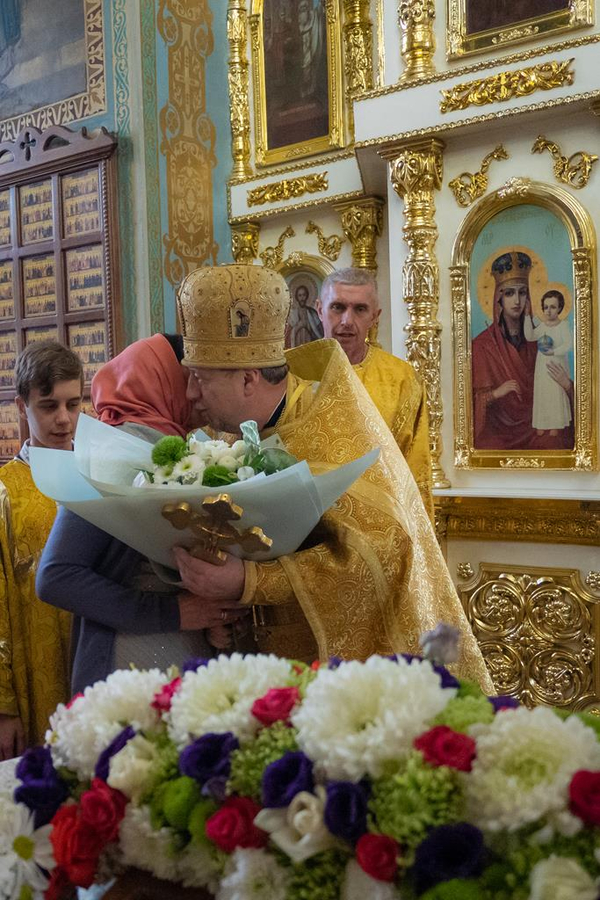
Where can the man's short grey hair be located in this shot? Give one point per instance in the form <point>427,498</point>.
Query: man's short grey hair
<point>275,374</point>
<point>350,275</point>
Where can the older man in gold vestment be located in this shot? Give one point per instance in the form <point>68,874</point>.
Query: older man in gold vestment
<point>349,310</point>
<point>371,577</point>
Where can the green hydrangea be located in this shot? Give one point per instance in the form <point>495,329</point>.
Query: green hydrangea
<point>469,689</point>
<point>249,762</point>
<point>179,799</point>
<point>413,800</point>
<point>165,767</point>
<point>217,476</point>
<point>320,876</point>
<point>456,889</point>
<point>462,712</point>
<point>169,450</point>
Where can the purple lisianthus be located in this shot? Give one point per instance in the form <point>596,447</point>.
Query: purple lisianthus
<point>42,789</point>
<point>503,701</point>
<point>285,778</point>
<point>208,757</point>
<point>192,665</point>
<point>447,678</point>
<point>334,662</point>
<point>449,851</point>
<point>103,765</point>
<point>216,789</point>
<point>346,810</point>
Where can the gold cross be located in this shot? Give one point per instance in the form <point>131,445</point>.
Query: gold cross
<point>214,530</point>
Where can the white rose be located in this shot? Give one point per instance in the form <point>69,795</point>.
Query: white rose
<point>298,830</point>
<point>357,885</point>
<point>132,768</point>
<point>561,878</point>
<point>238,448</point>
<point>228,461</point>
<point>245,472</point>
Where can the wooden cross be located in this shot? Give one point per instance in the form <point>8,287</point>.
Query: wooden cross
<point>27,144</point>
<point>214,530</point>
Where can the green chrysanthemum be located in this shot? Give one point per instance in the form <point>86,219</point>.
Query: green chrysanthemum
<point>169,450</point>
<point>179,799</point>
<point>418,797</point>
<point>461,712</point>
<point>320,876</point>
<point>249,762</point>
<point>456,889</point>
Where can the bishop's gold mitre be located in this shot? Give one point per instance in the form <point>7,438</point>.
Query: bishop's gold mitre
<point>233,317</point>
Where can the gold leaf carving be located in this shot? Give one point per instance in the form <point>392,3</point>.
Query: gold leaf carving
<point>506,85</point>
<point>272,256</point>
<point>329,247</point>
<point>416,19</point>
<point>574,170</point>
<point>592,579</point>
<point>288,188</point>
<point>515,187</point>
<point>362,222</point>
<point>244,242</point>
<point>515,34</point>
<point>468,187</point>
<point>358,47</point>
<point>464,570</point>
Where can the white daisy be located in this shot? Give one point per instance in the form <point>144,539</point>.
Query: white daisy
<point>359,716</point>
<point>253,875</point>
<point>525,762</point>
<point>79,734</point>
<point>24,851</point>
<point>218,697</point>
<point>189,469</point>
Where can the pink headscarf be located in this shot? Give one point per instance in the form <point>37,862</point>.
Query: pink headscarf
<point>144,384</point>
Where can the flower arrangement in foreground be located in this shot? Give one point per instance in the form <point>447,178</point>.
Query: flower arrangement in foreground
<point>213,463</point>
<point>261,778</point>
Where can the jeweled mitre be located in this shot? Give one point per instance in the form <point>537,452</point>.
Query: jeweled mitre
<point>233,317</point>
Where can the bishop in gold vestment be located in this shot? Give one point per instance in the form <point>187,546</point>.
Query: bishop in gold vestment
<point>34,637</point>
<point>371,578</point>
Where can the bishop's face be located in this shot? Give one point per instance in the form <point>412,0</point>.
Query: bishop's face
<point>219,397</point>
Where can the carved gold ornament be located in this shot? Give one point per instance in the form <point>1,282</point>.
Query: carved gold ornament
<point>288,188</point>
<point>329,247</point>
<point>507,85</point>
<point>238,82</point>
<point>467,187</point>
<point>515,187</point>
<point>362,221</point>
<point>536,629</point>
<point>522,462</point>
<point>416,19</point>
<point>244,242</point>
<point>358,47</point>
<point>272,256</point>
<point>592,579</point>
<point>574,170</point>
<point>464,570</point>
<point>213,531</point>
<point>416,173</point>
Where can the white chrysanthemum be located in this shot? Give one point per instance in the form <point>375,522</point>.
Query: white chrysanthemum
<point>525,761</point>
<point>218,697</point>
<point>200,866</point>
<point>24,851</point>
<point>209,451</point>
<point>561,878</point>
<point>163,474</point>
<point>144,847</point>
<point>80,733</point>
<point>253,875</point>
<point>357,885</point>
<point>228,461</point>
<point>359,716</point>
<point>132,768</point>
<point>189,469</point>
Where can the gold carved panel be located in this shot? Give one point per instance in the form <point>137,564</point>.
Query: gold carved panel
<point>538,629</point>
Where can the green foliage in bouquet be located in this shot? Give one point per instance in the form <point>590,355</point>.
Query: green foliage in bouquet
<point>218,476</point>
<point>169,450</point>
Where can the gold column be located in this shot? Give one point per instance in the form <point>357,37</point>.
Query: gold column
<point>237,77</point>
<point>244,242</point>
<point>417,46</point>
<point>416,174</point>
<point>358,46</point>
<point>362,221</point>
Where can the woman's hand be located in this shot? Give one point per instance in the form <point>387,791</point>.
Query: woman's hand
<point>506,388</point>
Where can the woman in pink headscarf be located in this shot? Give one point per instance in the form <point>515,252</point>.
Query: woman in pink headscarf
<point>124,614</point>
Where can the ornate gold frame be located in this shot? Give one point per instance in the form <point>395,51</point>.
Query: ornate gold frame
<point>336,135</point>
<point>583,247</point>
<point>297,261</point>
<point>578,14</point>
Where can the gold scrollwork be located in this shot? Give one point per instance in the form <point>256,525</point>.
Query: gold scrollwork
<point>536,629</point>
<point>416,173</point>
<point>244,242</point>
<point>574,170</point>
<point>515,187</point>
<point>468,187</point>
<point>416,19</point>
<point>515,34</point>
<point>362,221</point>
<point>329,247</point>
<point>522,462</point>
<point>505,85</point>
<point>592,579</point>
<point>358,47</point>
<point>272,256</point>
<point>464,570</point>
<point>238,81</point>
<point>288,188</point>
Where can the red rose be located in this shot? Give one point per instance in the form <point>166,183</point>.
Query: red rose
<point>276,705</point>
<point>76,845</point>
<point>162,699</point>
<point>584,792</point>
<point>377,855</point>
<point>103,808</point>
<point>57,888</point>
<point>233,825</point>
<point>73,699</point>
<point>441,746</point>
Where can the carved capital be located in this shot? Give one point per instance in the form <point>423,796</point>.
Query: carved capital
<point>244,242</point>
<point>416,19</point>
<point>237,77</point>
<point>362,221</point>
<point>358,46</point>
<point>418,167</point>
